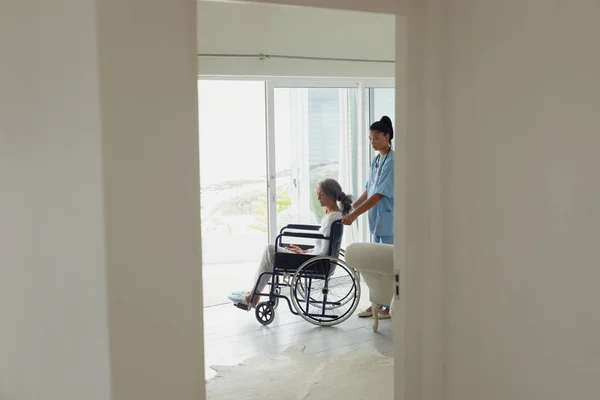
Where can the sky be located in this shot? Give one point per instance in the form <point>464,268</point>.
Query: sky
<point>233,130</point>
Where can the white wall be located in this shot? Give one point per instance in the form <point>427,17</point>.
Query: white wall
<point>100,263</point>
<point>53,334</point>
<point>519,200</point>
<point>521,157</point>
<point>238,28</point>
<point>152,197</point>
<point>99,201</point>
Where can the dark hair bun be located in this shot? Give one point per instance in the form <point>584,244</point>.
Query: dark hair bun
<point>384,125</point>
<point>386,120</point>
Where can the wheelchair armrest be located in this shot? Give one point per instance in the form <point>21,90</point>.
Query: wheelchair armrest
<point>298,235</point>
<point>304,246</point>
<point>303,235</point>
<point>301,227</point>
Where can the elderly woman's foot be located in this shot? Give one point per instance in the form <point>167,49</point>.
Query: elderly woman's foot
<point>236,297</point>
<point>244,298</point>
<point>254,301</point>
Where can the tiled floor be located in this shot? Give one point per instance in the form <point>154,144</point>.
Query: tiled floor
<point>232,335</point>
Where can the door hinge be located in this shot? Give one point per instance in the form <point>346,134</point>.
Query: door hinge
<point>396,284</point>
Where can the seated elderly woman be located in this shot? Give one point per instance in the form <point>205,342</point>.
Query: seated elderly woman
<point>337,204</point>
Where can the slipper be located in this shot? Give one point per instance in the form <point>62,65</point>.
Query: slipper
<point>237,298</point>
<point>365,314</point>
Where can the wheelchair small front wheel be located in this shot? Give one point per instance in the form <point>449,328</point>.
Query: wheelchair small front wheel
<point>265,312</point>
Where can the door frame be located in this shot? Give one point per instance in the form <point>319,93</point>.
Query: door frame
<point>419,249</point>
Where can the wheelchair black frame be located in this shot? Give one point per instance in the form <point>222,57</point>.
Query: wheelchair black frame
<point>278,272</point>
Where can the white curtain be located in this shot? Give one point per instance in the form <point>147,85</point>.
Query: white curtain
<point>348,155</point>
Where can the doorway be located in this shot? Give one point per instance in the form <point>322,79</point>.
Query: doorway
<point>289,134</point>
<point>315,125</point>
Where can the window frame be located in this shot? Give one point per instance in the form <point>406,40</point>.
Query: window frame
<point>365,105</point>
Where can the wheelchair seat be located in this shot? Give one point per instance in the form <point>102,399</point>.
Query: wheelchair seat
<point>292,261</point>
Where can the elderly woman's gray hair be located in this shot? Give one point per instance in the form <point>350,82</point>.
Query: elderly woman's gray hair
<point>331,188</point>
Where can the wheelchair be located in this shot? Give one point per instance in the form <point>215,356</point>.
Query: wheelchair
<point>323,290</point>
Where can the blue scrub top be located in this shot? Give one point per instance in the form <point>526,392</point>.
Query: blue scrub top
<point>381,180</point>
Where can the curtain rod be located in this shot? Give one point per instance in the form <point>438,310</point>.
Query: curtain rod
<point>269,56</point>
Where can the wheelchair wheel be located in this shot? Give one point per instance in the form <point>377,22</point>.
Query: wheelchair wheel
<point>349,296</point>
<point>325,291</point>
<point>265,313</point>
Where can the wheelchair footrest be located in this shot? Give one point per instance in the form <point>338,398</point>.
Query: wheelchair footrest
<point>241,306</point>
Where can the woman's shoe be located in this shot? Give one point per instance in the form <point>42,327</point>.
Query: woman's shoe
<point>237,298</point>
<point>369,313</point>
<point>365,313</point>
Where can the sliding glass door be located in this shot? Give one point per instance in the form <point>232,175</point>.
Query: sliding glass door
<point>234,199</point>
<point>233,185</point>
<point>313,135</point>
<point>379,101</point>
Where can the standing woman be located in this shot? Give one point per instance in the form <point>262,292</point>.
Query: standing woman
<point>378,198</point>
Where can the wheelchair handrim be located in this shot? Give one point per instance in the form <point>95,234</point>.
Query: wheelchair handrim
<point>355,290</point>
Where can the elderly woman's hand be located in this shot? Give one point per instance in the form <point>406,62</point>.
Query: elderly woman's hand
<point>297,249</point>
